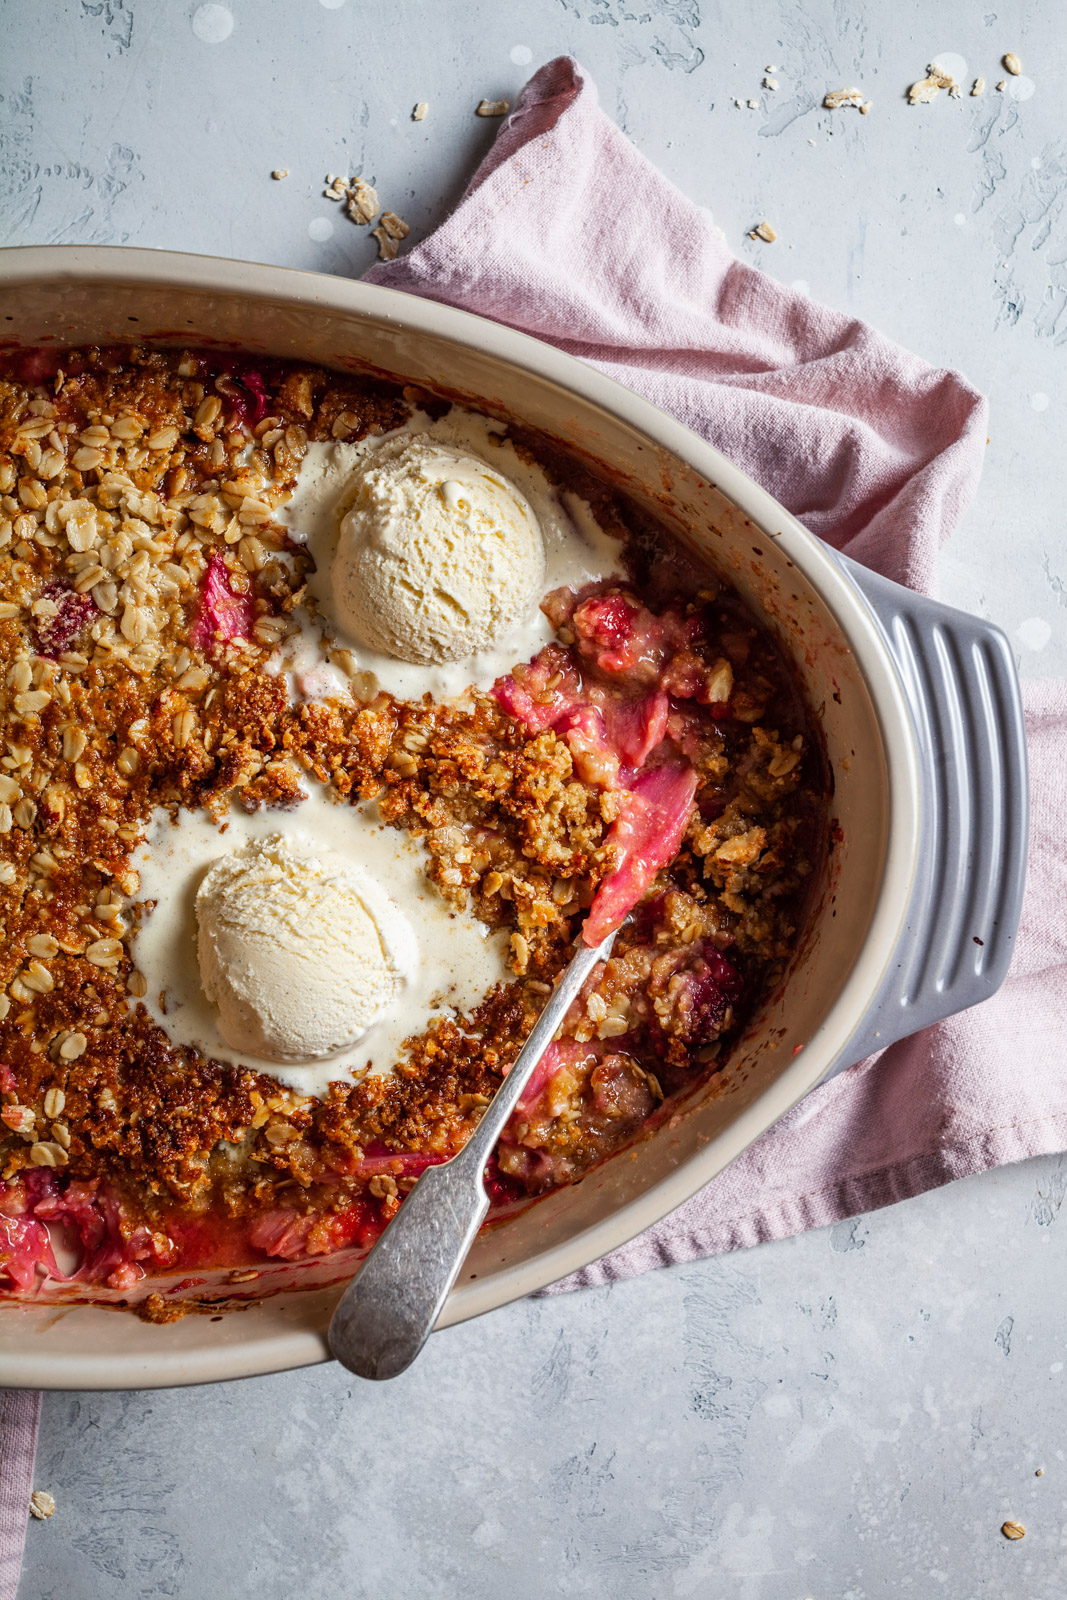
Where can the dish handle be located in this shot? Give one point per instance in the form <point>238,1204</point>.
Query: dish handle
<point>958,675</point>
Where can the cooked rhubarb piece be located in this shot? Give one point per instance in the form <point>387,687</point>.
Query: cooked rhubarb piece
<point>223,614</point>
<point>647,835</point>
<point>59,616</point>
<point>24,1246</point>
<point>624,639</point>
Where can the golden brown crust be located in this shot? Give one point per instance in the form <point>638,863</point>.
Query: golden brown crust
<point>137,469</point>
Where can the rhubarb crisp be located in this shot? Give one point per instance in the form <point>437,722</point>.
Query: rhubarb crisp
<point>211,733</point>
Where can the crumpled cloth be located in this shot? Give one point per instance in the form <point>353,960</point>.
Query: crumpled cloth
<point>19,1411</point>
<point>567,233</point>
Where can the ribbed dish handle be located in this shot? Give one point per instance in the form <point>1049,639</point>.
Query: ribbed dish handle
<point>959,677</point>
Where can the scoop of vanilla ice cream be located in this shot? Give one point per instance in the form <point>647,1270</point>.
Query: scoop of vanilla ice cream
<point>439,555</point>
<point>301,953</point>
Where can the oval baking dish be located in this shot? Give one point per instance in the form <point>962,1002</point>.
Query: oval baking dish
<point>918,706</point>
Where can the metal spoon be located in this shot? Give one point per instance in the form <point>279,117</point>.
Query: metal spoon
<point>388,1311</point>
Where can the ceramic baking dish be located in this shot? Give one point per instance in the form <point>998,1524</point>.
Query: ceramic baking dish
<point>918,706</point>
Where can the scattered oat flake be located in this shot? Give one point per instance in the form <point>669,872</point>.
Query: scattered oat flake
<point>843,97</point>
<point>1013,1530</point>
<point>1002,85</point>
<point>738,103</point>
<point>362,204</point>
<point>1013,64</point>
<point>865,107</point>
<point>387,243</point>
<point>42,1504</point>
<point>419,113</point>
<point>770,83</point>
<point>394,226</point>
<point>492,108</point>
<point>753,105</point>
<point>926,90</point>
<point>772,69</point>
<point>765,232</point>
<point>812,143</point>
<point>280,172</point>
<point>978,86</point>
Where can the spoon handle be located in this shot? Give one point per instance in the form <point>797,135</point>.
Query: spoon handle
<point>389,1309</point>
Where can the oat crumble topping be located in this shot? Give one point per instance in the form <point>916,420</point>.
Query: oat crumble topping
<point>145,582</point>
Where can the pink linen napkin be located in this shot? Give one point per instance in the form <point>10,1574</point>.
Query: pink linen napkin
<point>567,233</point>
<point>19,1411</point>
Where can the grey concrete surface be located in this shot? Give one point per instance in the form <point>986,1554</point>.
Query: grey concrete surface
<point>847,1415</point>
